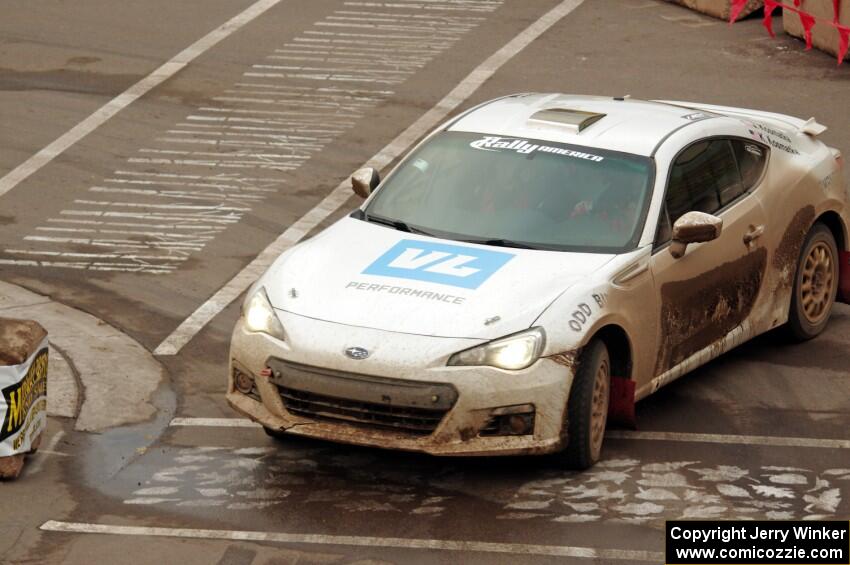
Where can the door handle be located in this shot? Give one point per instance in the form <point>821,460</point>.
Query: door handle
<point>753,234</point>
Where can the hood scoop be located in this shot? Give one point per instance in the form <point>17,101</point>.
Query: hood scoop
<point>574,120</point>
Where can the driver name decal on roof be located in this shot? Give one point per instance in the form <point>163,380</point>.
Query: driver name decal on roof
<point>772,137</point>
<point>453,265</point>
<point>524,147</point>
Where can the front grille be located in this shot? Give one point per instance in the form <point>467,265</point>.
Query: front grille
<point>403,405</point>
<point>413,420</point>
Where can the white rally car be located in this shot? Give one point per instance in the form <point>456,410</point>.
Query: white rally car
<point>537,262</point>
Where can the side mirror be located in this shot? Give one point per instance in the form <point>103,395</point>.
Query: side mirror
<point>694,227</point>
<point>364,181</point>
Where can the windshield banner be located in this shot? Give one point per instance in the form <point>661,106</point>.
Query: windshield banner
<point>525,147</point>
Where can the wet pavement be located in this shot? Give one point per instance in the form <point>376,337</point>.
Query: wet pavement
<point>63,233</point>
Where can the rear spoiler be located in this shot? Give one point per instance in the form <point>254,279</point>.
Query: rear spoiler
<point>813,128</point>
<point>810,127</point>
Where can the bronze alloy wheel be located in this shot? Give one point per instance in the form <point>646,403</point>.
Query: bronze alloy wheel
<point>817,281</point>
<point>599,408</point>
<point>815,285</point>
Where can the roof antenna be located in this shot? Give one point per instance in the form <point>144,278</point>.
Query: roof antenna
<point>624,97</point>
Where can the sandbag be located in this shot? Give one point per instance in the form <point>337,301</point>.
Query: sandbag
<point>23,391</point>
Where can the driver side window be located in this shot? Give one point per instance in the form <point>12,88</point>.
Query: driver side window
<point>703,178</point>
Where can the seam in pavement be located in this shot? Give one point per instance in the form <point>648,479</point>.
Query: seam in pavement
<point>116,375</point>
<point>75,373</point>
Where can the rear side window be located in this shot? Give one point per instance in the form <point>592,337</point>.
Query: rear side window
<point>704,178</point>
<point>751,159</point>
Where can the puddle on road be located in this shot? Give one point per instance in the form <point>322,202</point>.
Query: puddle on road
<point>627,490</point>
<point>619,489</point>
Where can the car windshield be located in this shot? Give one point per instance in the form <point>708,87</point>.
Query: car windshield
<point>517,192</point>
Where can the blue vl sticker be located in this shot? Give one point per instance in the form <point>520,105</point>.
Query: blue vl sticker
<point>452,265</point>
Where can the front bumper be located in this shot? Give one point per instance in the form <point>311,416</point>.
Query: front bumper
<point>316,348</point>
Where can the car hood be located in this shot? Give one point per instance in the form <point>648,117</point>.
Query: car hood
<point>364,274</point>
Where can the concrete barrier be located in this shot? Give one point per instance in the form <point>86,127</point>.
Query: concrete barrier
<point>824,36</point>
<point>719,8</point>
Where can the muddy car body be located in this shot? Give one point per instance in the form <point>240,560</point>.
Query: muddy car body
<point>530,253</point>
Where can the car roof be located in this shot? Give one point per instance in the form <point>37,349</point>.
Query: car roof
<point>626,124</point>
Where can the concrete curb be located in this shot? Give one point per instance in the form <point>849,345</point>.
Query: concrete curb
<point>116,374</point>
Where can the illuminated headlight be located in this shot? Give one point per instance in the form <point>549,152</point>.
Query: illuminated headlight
<point>514,352</point>
<point>259,315</point>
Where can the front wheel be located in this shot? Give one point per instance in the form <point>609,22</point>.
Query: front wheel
<point>815,285</point>
<point>587,407</point>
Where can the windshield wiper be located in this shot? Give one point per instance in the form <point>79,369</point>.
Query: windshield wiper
<point>405,227</point>
<point>397,224</point>
<point>501,243</point>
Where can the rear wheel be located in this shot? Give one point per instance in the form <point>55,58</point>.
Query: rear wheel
<point>815,285</point>
<point>587,407</point>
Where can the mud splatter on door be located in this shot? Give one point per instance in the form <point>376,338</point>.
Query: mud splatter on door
<point>699,311</point>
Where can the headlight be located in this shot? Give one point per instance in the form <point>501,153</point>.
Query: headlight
<point>514,352</point>
<point>259,315</point>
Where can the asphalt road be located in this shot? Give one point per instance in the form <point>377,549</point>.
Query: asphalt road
<point>145,218</point>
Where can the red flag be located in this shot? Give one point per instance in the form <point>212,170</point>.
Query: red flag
<point>769,6</point>
<point>808,22</point>
<point>735,9</point>
<point>843,41</point>
<point>836,9</point>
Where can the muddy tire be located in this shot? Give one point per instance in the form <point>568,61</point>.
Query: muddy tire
<point>587,407</point>
<point>815,285</point>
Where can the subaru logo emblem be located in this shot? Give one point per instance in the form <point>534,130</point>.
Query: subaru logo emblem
<point>357,353</point>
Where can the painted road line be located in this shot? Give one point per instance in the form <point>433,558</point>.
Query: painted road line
<point>215,422</point>
<point>303,120</point>
<point>333,201</point>
<point>685,437</point>
<point>735,439</point>
<point>43,453</point>
<point>108,110</point>
<point>358,541</point>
